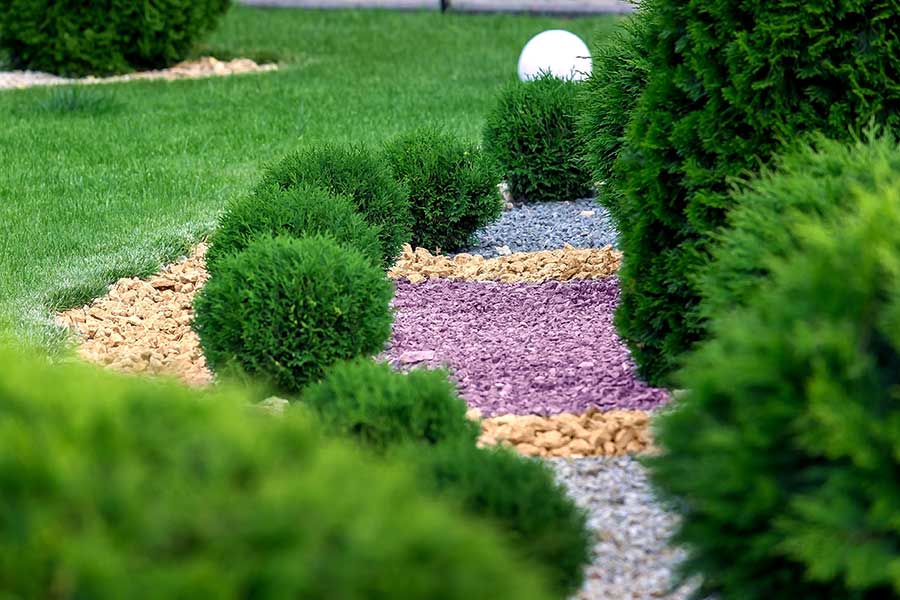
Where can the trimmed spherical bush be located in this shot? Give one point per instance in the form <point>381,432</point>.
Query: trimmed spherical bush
<point>364,176</point>
<point>101,38</point>
<point>730,85</point>
<point>120,487</point>
<point>294,212</point>
<point>532,134</point>
<point>783,457</point>
<point>521,497</point>
<point>818,179</point>
<point>286,309</point>
<point>452,187</point>
<point>379,407</point>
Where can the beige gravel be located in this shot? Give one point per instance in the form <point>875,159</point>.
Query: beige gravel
<point>562,265</point>
<point>144,325</point>
<point>191,69</point>
<point>594,433</point>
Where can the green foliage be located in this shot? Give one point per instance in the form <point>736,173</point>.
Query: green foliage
<point>101,38</point>
<point>519,495</point>
<point>452,187</point>
<point>783,457</point>
<point>296,212</point>
<point>117,487</point>
<point>619,73</point>
<point>531,132</point>
<point>818,179</point>
<point>730,83</point>
<point>286,309</point>
<point>354,171</point>
<point>379,407</point>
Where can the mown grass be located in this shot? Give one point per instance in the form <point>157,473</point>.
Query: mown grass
<point>107,181</point>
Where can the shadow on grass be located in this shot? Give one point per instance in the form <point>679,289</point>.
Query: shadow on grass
<point>77,100</point>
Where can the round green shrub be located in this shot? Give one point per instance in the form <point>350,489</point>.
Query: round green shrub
<point>731,83</point>
<point>119,487</point>
<point>285,309</point>
<point>452,187</point>
<point>532,134</point>
<point>520,496</point>
<point>817,179</point>
<point>783,457</point>
<point>354,171</point>
<point>607,98</point>
<point>295,212</point>
<point>101,38</point>
<point>379,407</point>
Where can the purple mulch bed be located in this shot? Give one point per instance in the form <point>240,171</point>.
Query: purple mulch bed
<point>526,348</point>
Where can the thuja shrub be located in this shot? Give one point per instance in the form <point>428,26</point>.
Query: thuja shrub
<point>117,487</point>
<point>101,38</point>
<point>285,309</point>
<point>818,179</point>
<point>532,134</point>
<point>783,457</point>
<point>295,212</point>
<point>731,83</point>
<point>518,495</point>
<point>452,187</point>
<point>357,172</point>
<point>380,407</point>
<point>620,69</point>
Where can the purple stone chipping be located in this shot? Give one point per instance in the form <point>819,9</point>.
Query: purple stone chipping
<point>526,348</point>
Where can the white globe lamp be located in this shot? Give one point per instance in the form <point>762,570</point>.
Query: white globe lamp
<point>561,53</point>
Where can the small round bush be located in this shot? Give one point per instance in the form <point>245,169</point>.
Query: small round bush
<point>379,407</point>
<point>521,497</point>
<point>119,487</point>
<point>101,38</point>
<point>285,309</point>
<point>816,179</point>
<point>295,212</point>
<point>354,171</point>
<point>532,134</point>
<point>452,187</point>
<point>783,457</point>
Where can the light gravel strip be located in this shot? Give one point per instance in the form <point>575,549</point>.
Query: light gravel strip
<point>631,557</point>
<point>546,226</point>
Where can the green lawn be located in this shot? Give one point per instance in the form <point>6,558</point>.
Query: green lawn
<point>107,181</point>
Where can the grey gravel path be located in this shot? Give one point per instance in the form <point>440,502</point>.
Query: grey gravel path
<point>631,557</point>
<point>546,226</point>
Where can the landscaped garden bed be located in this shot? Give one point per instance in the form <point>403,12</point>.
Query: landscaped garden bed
<point>429,323</point>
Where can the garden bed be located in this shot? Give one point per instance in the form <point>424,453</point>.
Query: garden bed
<point>529,333</point>
<point>206,66</point>
<point>536,357</point>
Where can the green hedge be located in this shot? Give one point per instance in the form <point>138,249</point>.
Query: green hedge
<point>730,83</point>
<point>620,70</point>
<point>295,212</point>
<point>101,38</point>
<point>118,487</point>
<point>452,187</point>
<point>820,180</point>
<point>286,309</point>
<point>359,173</point>
<point>783,457</point>
<point>531,132</point>
<point>379,407</point>
<point>521,497</point>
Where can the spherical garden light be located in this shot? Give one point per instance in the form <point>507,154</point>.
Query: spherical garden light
<point>558,52</point>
